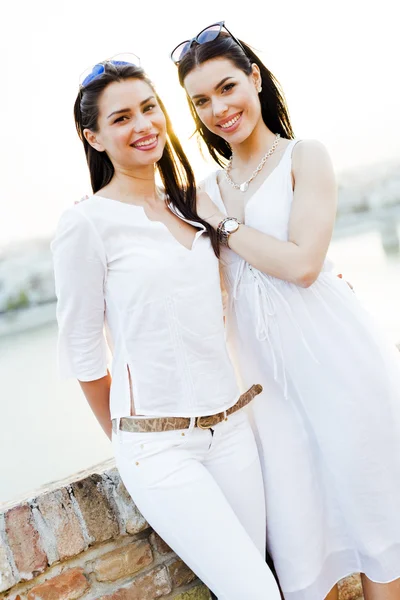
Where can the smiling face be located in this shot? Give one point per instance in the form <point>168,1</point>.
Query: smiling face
<point>225,98</point>
<point>131,127</point>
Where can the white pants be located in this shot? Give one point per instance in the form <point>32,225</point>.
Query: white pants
<point>202,491</point>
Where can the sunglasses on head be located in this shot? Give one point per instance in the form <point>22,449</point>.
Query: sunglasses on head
<point>98,69</point>
<point>209,34</point>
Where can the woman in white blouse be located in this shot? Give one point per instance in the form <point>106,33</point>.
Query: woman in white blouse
<point>137,261</point>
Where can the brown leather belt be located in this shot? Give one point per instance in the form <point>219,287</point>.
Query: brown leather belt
<point>159,424</point>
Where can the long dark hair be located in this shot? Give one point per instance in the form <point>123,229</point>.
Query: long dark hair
<point>175,171</point>
<point>274,109</point>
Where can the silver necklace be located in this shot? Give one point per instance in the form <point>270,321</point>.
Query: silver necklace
<point>243,187</point>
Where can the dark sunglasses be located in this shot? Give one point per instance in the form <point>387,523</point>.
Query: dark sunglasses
<point>209,34</point>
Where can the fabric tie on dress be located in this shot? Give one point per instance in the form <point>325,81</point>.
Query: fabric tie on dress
<point>265,312</point>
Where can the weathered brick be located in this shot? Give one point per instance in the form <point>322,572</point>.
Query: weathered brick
<point>135,521</point>
<point>158,544</point>
<point>24,541</point>
<point>145,587</point>
<point>180,573</point>
<point>7,578</point>
<point>350,588</point>
<point>96,510</point>
<point>70,585</point>
<point>124,561</point>
<point>59,515</point>
<point>200,592</point>
<point>130,515</point>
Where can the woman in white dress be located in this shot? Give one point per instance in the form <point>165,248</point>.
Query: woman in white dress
<point>328,422</point>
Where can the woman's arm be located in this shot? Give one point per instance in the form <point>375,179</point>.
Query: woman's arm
<point>300,259</point>
<point>97,394</point>
<point>80,271</point>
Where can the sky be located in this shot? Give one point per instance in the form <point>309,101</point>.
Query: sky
<point>337,62</point>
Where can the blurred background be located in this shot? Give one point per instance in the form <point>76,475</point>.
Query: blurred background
<point>337,63</point>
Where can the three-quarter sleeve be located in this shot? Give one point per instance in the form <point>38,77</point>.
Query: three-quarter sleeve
<point>80,271</point>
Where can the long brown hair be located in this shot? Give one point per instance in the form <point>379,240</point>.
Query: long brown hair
<point>174,168</point>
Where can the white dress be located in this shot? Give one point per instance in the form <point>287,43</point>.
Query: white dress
<point>328,422</point>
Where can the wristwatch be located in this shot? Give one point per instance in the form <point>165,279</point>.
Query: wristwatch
<point>227,226</point>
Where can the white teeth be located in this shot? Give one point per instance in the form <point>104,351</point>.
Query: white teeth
<point>231,122</point>
<point>146,142</point>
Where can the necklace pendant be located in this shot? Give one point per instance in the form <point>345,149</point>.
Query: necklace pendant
<point>243,187</point>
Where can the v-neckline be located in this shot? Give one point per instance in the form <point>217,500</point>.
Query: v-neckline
<point>258,189</point>
<point>200,228</point>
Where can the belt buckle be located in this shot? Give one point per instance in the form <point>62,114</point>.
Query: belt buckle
<point>205,426</point>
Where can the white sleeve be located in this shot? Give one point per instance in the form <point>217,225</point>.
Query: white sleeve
<point>80,269</point>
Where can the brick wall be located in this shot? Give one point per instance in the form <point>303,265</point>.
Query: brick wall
<point>86,540</point>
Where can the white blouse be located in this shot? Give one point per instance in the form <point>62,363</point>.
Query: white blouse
<point>158,303</point>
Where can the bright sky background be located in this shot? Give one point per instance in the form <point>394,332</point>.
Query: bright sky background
<point>337,61</point>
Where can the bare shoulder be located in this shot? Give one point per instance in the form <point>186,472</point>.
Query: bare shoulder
<point>310,153</point>
<point>311,158</point>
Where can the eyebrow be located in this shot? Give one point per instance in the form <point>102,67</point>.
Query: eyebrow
<point>216,87</point>
<point>125,110</point>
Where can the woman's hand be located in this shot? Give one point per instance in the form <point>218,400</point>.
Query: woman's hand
<point>85,197</point>
<point>207,210</point>
<point>300,258</point>
<point>348,282</point>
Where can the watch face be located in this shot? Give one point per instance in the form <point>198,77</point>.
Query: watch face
<point>231,226</point>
